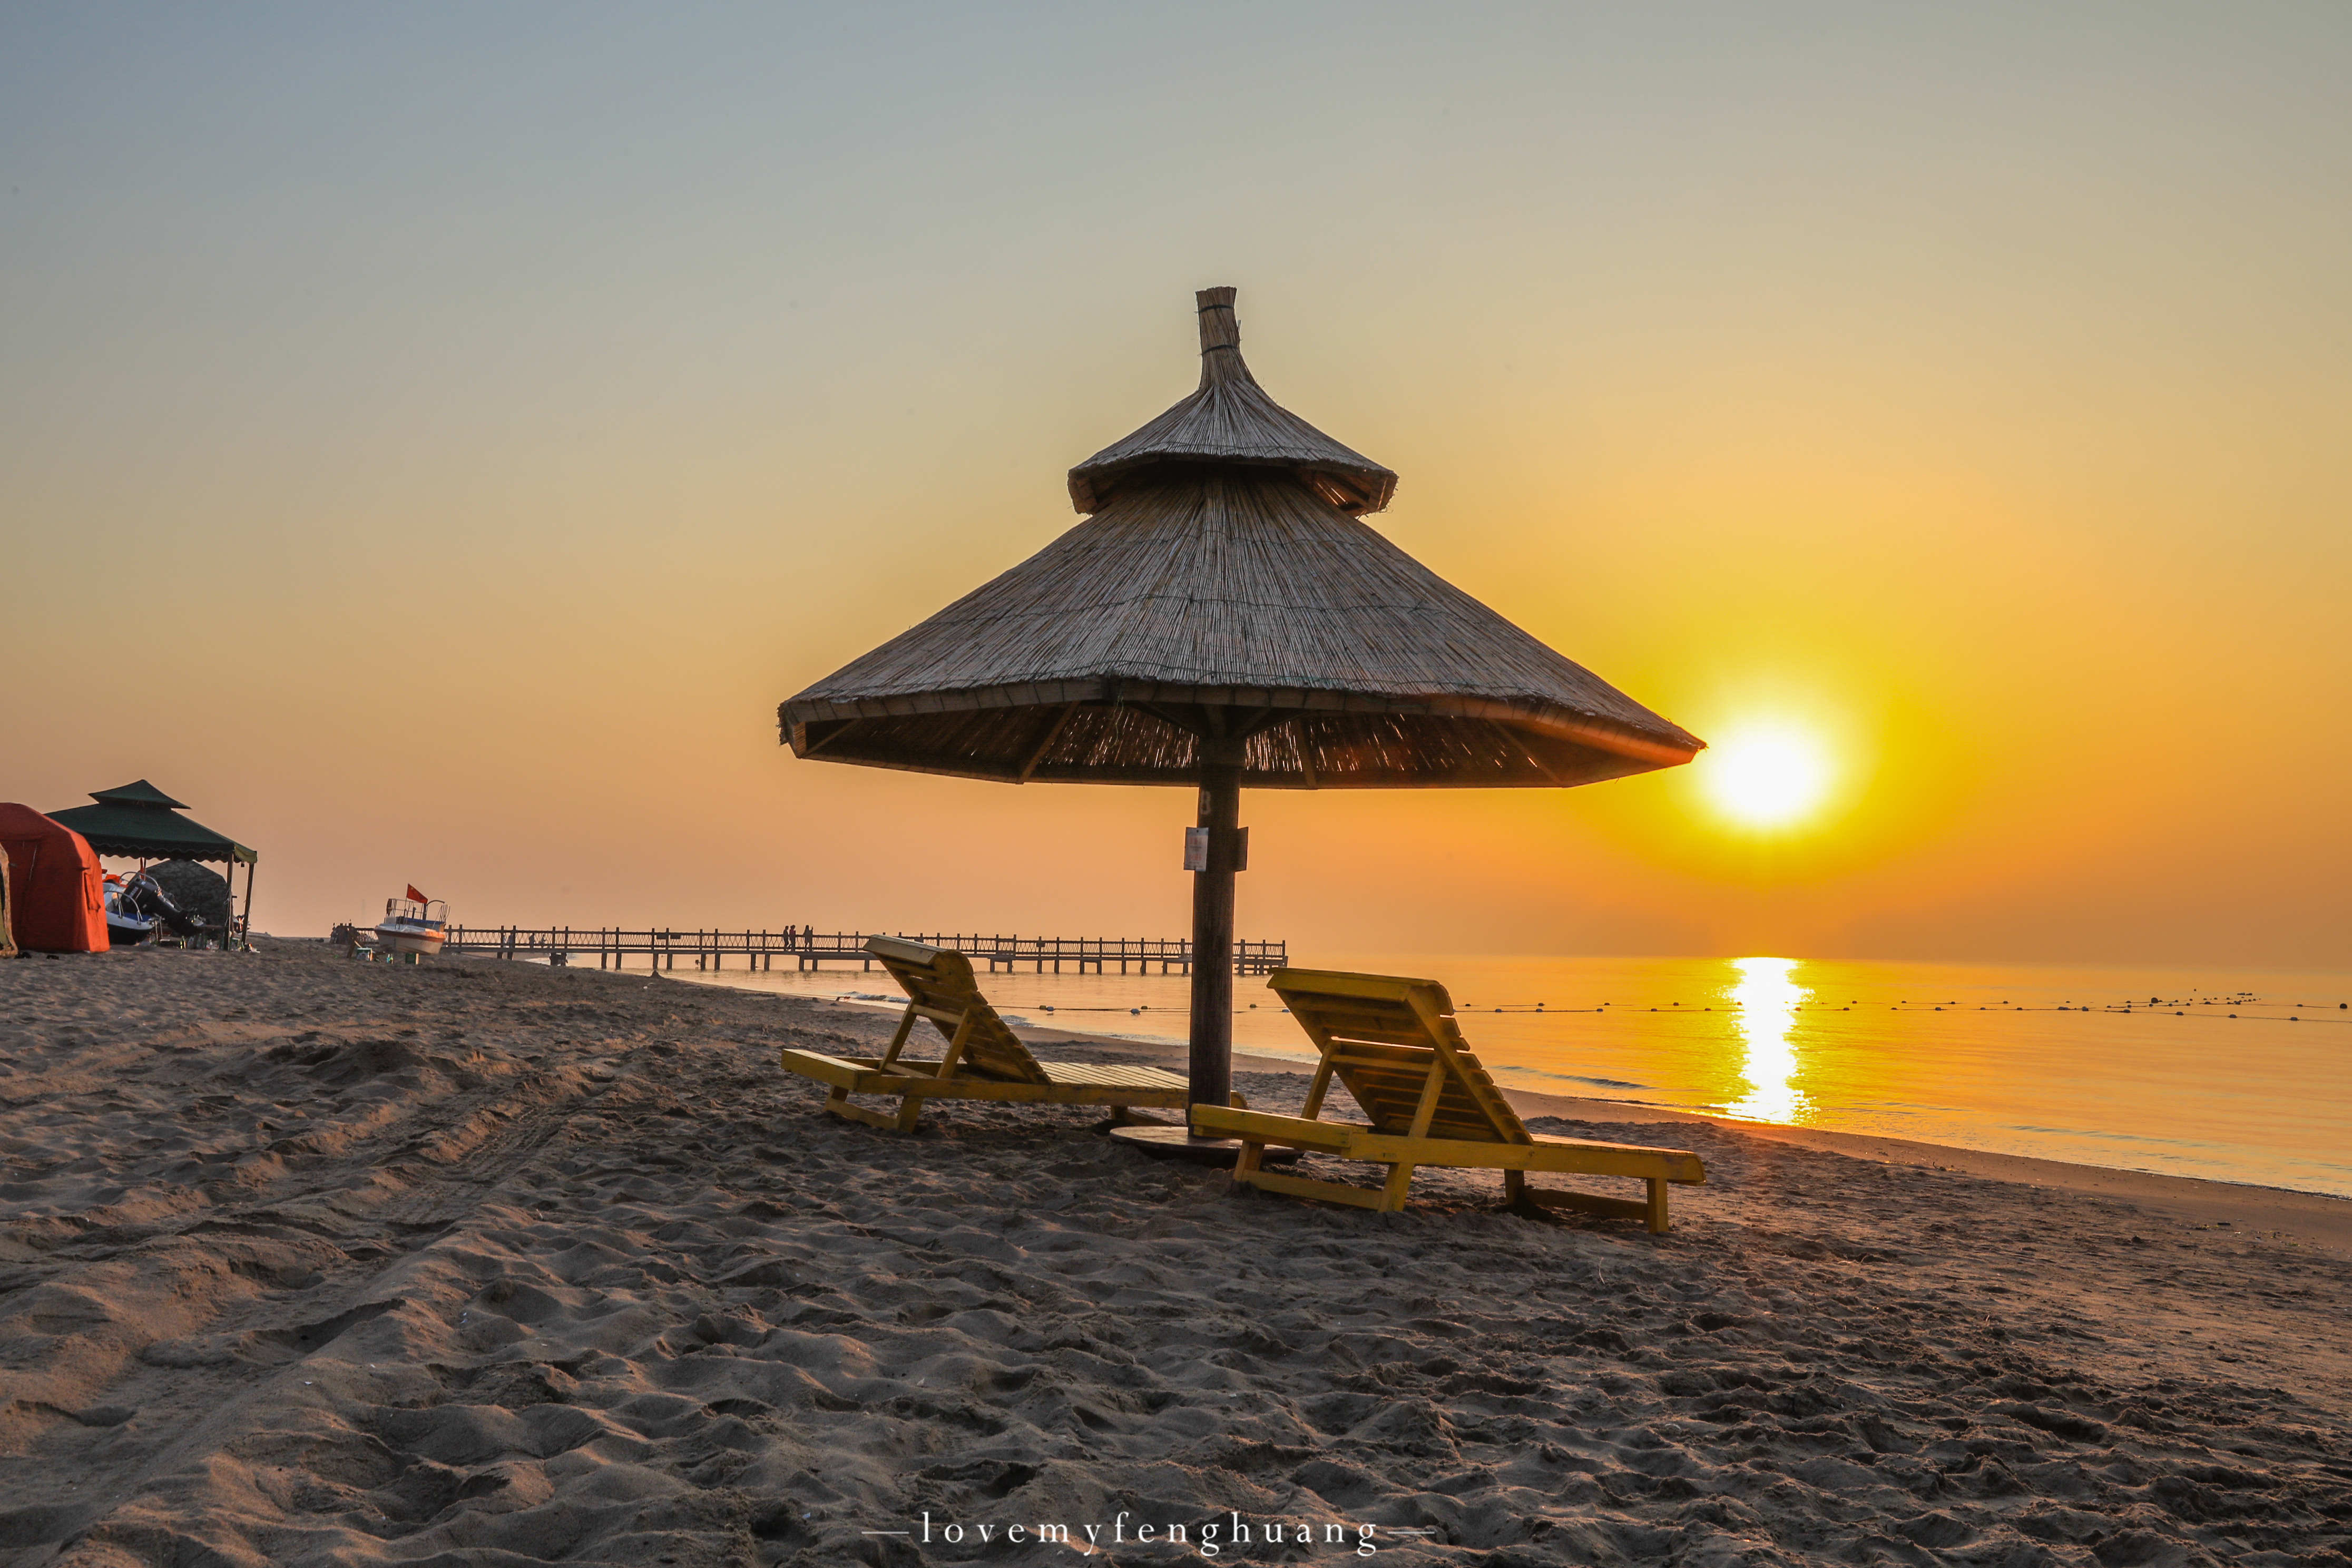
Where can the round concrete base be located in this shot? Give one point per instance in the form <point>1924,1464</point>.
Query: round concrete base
<point>1177,1144</point>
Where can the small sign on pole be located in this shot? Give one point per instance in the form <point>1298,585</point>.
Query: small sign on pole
<point>1196,849</point>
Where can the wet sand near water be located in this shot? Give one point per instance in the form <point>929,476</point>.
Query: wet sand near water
<point>303,1261</point>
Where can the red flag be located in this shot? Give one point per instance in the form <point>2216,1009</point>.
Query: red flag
<point>414,896</point>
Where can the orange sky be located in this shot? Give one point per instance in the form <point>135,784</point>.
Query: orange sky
<point>433,451</point>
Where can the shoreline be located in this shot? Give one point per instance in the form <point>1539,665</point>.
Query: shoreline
<point>2322,1220</point>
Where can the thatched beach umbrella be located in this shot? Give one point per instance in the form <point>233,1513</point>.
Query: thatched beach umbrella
<point>1223,619</point>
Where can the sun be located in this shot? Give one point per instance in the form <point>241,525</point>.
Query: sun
<point>1766,773</point>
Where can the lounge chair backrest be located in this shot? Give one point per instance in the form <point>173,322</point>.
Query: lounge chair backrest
<point>941,980</point>
<point>1381,1034</point>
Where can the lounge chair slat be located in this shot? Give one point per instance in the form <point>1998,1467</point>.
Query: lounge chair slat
<point>1374,1053</point>
<point>1401,1035</point>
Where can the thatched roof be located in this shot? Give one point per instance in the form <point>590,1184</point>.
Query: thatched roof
<point>1225,587</point>
<point>1232,421</point>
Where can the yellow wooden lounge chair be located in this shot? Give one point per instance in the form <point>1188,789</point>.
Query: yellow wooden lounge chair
<point>984,1059</point>
<point>1393,1044</point>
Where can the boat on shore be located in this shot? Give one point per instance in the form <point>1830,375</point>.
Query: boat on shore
<point>127,925</point>
<point>413,927</point>
<point>140,912</point>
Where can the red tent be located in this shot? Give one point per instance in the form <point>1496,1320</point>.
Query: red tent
<point>56,894</point>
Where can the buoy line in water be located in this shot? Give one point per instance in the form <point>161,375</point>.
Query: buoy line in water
<point>1542,1009</point>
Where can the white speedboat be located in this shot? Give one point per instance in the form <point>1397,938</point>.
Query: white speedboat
<point>413,928</point>
<point>127,924</point>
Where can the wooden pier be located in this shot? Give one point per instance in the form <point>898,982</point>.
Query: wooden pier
<point>807,949</point>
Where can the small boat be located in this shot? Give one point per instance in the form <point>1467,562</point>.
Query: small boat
<point>138,912</point>
<point>413,927</point>
<point>127,925</point>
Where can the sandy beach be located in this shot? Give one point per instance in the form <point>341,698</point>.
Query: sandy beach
<point>312,1261</point>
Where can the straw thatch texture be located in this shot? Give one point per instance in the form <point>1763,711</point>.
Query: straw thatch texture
<point>1224,594</point>
<point>1232,421</point>
<point>1244,592</point>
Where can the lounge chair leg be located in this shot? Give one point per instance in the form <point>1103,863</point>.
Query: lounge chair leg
<point>1246,1162</point>
<point>1659,1224</point>
<point>838,1103</point>
<point>1515,1187</point>
<point>909,1108</point>
<point>1392,1193</point>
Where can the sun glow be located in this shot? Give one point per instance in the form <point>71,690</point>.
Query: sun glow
<point>1765,774</point>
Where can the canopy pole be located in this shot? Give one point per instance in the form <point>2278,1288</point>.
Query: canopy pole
<point>1213,922</point>
<point>245,933</point>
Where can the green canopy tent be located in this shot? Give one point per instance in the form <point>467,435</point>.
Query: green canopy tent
<point>139,822</point>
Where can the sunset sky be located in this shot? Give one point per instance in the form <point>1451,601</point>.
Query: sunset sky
<point>432,442</point>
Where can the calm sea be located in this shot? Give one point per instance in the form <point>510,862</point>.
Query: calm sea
<point>2239,1076</point>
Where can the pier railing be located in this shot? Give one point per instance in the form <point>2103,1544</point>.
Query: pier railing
<point>809,949</point>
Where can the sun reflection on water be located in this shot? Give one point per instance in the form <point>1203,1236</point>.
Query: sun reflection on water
<point>1768,1001</point>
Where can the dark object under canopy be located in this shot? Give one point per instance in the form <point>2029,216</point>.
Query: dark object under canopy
<point>1224,618</point>
<point>201,894</point>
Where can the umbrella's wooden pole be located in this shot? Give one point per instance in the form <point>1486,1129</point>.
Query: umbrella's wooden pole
<point>1212,924</point>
